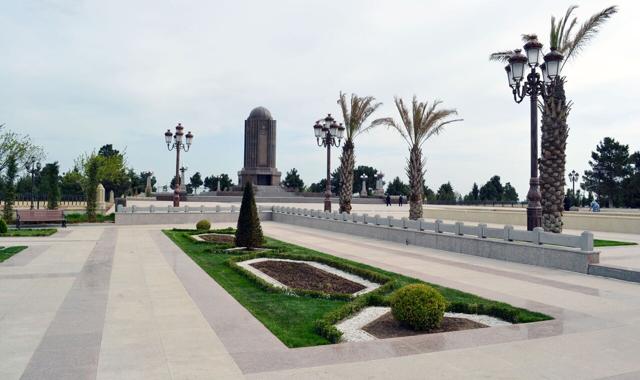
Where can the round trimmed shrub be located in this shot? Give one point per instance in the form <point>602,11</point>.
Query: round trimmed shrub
<point>418,306</point>
<point>203,225</point>
<point>3,227</point>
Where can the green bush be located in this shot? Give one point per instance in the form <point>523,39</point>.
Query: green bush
<point>3,227</point>
<point>203,225</point>
<point>418,306</point>
<point>248,230</point>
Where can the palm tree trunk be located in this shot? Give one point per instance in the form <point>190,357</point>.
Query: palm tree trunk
<point>415,172</point>
<point>347,162</point>
<point>553,157</point>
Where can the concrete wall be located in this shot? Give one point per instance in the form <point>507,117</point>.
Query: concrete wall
<point>525,253</point>
<point>606,222</point>
<point>138,218</point>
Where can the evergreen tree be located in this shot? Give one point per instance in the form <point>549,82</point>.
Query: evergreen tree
<point>631,185</point>
<point>609,167</point>
<point>91,186</point>
<point>293,181</point>
<point>10,187</point>
<point>249,231</point>
<point>509,193</point>
<point>195,181</point>
<point>51,182</point>
<point>492,190</point>
<point>397,187</point>
<point>445,193</point>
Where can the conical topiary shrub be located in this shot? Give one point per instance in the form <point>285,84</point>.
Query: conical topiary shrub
<point>248,231</point>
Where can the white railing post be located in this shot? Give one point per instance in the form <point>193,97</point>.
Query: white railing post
<point>537,231</point>
<point>507,232</point>
<point>437,228</point>
<point>586,241</point>
<point>482,230</point>
<point>458,228</point>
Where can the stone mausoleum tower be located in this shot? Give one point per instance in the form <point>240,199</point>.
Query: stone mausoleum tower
<point>260,150</point>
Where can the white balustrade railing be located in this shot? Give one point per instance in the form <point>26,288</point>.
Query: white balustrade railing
<point>583,242</point>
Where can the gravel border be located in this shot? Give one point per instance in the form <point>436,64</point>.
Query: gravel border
<point>351,328</point>
<point>368,285</point>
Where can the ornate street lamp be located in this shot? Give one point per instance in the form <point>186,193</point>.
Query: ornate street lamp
<point>328,133</point>
<point>178,144</point>
<point>573,177</point>
<point>33,168</point>
<point>533,87</point>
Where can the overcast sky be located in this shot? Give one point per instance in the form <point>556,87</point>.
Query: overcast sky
<point>79,74</point>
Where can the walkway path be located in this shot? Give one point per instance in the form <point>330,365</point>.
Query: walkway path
<point>108,302</point>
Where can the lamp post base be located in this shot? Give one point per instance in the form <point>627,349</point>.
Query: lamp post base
<point>534,208</point>
<point>327,205</point>
<point>176,199</point>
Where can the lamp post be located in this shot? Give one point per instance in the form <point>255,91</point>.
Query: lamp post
<point>32,167</point>
<point>533,87</point>
<point>363,191</point>
<point>328,133</point>
<point>177,144</point>
<point>573,177</point>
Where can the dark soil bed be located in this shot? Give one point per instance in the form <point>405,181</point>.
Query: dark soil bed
<point>304,276</point>
<point>388,327</point>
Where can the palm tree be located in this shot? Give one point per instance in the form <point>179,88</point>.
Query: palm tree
<point>424,121</point>
<point>555,109</point>
<point>354,114</point>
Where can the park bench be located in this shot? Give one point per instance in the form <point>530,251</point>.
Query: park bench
<point>40,216</point>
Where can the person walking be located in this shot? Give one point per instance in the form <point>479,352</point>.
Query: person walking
<point>400,200</point>
<point>388,200</point>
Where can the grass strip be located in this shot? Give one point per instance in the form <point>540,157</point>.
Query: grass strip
<point>6,253</point>
<point>611,243</point>
<point>29,232</point>
<point>306,319</point>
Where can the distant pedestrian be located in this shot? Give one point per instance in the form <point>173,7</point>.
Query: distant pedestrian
<point>595,206</point>
<point>388,200</point>
<point>400,200</point>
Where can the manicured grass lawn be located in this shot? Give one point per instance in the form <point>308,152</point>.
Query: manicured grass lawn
<point>26,232</point>
<point>292,318</point>
<point>610,243</point>
<point>82,218</point>
<point>5,253</point>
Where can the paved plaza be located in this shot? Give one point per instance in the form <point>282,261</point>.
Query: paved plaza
<point>111,302</point>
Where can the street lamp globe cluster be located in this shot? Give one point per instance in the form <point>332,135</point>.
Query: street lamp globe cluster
<point>328,133</point>
<point>573,177</point>
<point>533,87</point>
<point>175,141</point>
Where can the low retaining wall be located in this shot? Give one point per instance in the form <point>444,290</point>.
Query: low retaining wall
<point>546,255</point>
<point>604,222</point>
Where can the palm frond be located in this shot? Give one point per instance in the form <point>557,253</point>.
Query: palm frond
<point>356,112</point>
<point>501,56</point>
<point>390,123</point>
<point>563,23</point>
<point>587,31</point>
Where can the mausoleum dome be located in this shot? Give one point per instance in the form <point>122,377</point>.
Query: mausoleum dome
<point>260,113</point>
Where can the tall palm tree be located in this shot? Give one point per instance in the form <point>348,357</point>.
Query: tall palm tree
<point>424,121</point>
<point>354,114</point>
<point>555,109</point>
